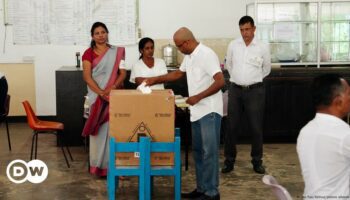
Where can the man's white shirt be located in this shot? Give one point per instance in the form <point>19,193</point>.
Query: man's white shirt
<point>248,64</point>
<point>200,67</point>
<point>323,147</point>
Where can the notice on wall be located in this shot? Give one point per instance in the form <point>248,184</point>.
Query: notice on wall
<point>66,22</point>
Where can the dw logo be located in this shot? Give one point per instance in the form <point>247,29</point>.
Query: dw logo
<point>35,171</point>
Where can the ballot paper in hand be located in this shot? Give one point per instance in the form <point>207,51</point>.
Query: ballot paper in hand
<point>144,89</point>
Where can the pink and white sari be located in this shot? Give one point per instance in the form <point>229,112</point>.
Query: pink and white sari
<point>104,71</point>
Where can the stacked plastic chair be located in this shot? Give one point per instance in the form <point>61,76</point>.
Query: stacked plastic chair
<point>145,171</point>
<point>279,191</point>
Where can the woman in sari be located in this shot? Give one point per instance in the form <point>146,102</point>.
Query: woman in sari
<point>103,70</point>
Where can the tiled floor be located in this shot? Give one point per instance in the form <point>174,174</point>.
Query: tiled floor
<point>76,183</point>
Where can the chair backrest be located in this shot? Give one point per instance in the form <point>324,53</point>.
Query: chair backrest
<point>31,117</point>
<point>6,108</point>
<point>280,192</point>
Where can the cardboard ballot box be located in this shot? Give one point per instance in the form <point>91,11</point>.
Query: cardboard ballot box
<point>133,115</point>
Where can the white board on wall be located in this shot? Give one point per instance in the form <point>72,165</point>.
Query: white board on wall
<point>67,22</point>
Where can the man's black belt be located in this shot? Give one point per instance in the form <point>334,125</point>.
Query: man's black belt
<point>247,87</point>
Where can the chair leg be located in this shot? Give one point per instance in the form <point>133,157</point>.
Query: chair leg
<point>177,183</point>
<point>36,145</point>
<point>65,157</point>
<point>62,144</point>
<point>111,185</point>
<point>31,151</point>
<point>142,192</point>
<point>70,155</point>
<point>8,134</point>
<point>65,144</point>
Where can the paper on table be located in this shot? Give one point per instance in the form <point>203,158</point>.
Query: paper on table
<point>181,102</point>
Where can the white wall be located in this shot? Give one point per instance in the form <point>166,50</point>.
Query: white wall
<point>159,19</point>
<point>206,18</point>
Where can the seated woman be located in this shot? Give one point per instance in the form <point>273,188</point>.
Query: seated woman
<point>147,65</point>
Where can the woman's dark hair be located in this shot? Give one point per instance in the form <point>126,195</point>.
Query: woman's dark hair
<point>325,88</point>
<point>143,43</point>
<point>246,19</point>
<point>94,26</point>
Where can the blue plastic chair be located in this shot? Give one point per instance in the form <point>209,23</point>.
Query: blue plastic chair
<point>144,170</point>
<point>167,170</point>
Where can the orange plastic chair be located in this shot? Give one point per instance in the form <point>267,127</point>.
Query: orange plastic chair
<point>40,126</point>
<point>3,118</point>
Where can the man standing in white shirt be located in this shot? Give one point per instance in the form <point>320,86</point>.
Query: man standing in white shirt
<point>323,145</point>
<point>248,62</point>
<point>3,92</point>
<point>204,79</point>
